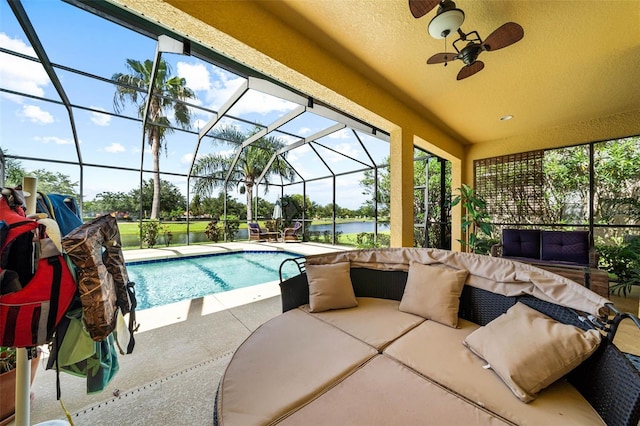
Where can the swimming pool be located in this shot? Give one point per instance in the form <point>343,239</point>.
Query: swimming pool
<point>163,281</point>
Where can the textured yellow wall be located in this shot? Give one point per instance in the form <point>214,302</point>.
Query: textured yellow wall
<point>251,35</point>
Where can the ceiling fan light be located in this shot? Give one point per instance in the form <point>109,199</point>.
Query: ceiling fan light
<point>446,23</point>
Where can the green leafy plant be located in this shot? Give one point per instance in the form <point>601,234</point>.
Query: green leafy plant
<point>150,231</point>
<point>366,240</point>
<point>213,231</point>
<point>622,261</point>
<point>8,358</point>
<point>168,236</point>
<point>475,219</point>
<point>231,226</point>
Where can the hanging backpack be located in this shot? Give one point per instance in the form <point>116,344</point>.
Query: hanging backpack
<point>61,208</point>
<point>36,285</point>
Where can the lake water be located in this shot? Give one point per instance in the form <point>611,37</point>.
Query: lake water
<point>199,237</point>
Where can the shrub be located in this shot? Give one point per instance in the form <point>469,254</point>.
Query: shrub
<point>366,240</point>
<point>622,261</point>
<point>231,226</point>
<point>213,231</point>
<point>150,231</point>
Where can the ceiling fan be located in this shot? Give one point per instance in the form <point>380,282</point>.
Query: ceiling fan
<point>448,19</point>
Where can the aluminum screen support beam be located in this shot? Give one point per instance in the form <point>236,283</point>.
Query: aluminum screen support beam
<point>320,134</point>
<point>30,32</point>
<point>273,126</point>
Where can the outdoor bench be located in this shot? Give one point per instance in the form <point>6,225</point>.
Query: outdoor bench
<point>392,351</point>
<point>566,253</point>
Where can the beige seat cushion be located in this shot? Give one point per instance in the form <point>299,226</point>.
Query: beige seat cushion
<point>330,287</point>
<point>437,352</point>
<point>284,363</point>
<point>529,350</point>
<point>375,321</point>
<point>384,392</point>
<point>433,292</point>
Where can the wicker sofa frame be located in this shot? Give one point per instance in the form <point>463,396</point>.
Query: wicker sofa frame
<point>609,380</point>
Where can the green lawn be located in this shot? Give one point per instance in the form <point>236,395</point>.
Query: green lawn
<point>131,229</point>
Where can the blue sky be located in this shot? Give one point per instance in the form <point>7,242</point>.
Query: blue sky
<point>77,39</point>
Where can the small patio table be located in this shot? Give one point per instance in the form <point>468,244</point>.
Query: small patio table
<point>272,236</point>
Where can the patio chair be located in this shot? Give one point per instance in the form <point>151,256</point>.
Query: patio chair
<point>256,233</point>
<point>291,234</point>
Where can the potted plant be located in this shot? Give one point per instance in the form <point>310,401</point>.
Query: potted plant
<point>475,217</point>
<point>8,380</point>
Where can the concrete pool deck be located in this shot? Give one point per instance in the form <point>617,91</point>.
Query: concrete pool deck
<point>181,352</point>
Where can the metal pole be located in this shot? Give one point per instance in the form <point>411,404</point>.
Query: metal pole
<point>591,192</point>
<point>304,207</point>
<point>375,205</point>
<point>426,204</point>
<point>334,212</point>
<point>443,194</point>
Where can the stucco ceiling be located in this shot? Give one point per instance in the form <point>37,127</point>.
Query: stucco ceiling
<point>577,68</point>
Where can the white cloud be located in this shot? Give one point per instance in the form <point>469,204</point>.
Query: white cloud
<point>260,103</point>
<point>297,153</point>
<point>304,131</point>
<point>342,134</point>
<point>20,74</point>
<point>36,115</point>
<point>220,85</point>
<point>199,124</point>
<point>187,159</point>
<point>224,85</point>
<point>227,152</point>
<point>100,119</point>
<point>114,148</point>
<point>196,75</point>
<point>346,149</point>
<point>53,139</point>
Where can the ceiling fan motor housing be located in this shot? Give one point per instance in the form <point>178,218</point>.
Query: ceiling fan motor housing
<point>470,53</point>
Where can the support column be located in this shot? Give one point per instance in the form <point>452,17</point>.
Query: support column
<point>401,171</point>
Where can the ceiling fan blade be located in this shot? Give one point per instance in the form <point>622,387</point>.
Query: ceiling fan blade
<point>439,58</point>
<point>470,70</point>
<point>419,8</point>
<point>504,36</point>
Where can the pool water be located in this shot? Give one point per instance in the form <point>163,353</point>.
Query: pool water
<point>163,281</point>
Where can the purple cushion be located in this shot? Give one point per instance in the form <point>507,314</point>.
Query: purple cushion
<point>566,246</point>
<point>521,243</point>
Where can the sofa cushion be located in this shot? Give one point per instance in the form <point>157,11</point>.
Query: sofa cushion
<point>565,246</point>
<point>433,292</point>
<point>330,287</point>
<point>529,350</point>
<point>375,321</point>
<point>296,349</point>
<point>436,351</point>
<point>523,243</point>
<point>384,392</point>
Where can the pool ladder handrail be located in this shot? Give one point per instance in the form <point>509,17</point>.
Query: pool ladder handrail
<point>299,261</point>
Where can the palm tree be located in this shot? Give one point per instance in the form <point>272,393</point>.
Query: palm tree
<point>212,169</point>
<point>169,93</point>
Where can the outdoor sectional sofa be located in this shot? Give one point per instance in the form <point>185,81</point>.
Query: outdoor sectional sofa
<point>424,336</point>
<point>566,253</point>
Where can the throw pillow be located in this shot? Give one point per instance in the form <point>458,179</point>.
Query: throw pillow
<point>330,287</point>
<point>529,351</point>
<point>433,293</point>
